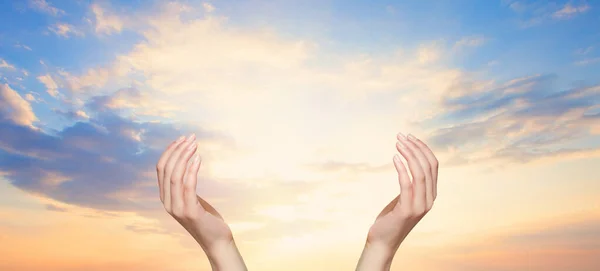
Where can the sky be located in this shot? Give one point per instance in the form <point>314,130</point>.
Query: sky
<point>296,105</point>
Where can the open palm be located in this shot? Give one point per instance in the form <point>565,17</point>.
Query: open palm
<point>177,180</point>
<point>416,196</point>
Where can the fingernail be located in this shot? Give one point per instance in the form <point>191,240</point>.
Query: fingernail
<point>401,145</point>
<point>181,138</point>
<point>196,159</point>
<point>192,136</point>
<point>411,137</point>
<point>396,158</point>
<point>401,136</point>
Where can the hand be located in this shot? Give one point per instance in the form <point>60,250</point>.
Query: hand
<point>177,179</point>
<point>401,215</point>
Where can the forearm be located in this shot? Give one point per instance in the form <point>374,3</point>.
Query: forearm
<point>226,257</point>
<point>375,258</point>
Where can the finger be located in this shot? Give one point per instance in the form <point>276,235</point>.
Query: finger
<point>191,203</point>
<point>432,161</point>
<point>418,176</point>
<point>406,188</point>
<point>426,170</point>
<point>177,178</point>
<point>160,165</point>
<point>171,162</point>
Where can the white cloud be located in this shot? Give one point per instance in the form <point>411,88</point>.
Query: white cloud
<point>570,10</point>
<point>82,114</point>
<point>93,77</point>
<point>429,53</point>
<point>587,61</point>
<point>207,72</point>
<point>15,108</point>
<point>106,23</point>
<point>45,7</point>
<point>65,30</point>
<point>6,65</point>
<point>51,86</point>
<point>517,6</point>
<point>208,7</point>
<point>30,97</point>
<point>474,41</point>
<point>23,46</point>
<point>535,13</point>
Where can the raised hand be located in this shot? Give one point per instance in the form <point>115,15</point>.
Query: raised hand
<point>401,215</point>
<point>177,179</point>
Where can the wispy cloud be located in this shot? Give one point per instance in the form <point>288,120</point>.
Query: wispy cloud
<point>65,30</point>
<point>584,51</point>
<point>6,65</point>
<point>50,84</point>
<point>46,7</point>
<point>521,120</point>
<point>587,61</point>
<point>333,166</point>
<point>23,46</point>
<point>208,7</point>
<point>105,21</point>
<point>473,41</point>
<point>569,10</point>
<point>52,207</point>
<point>533,13</point>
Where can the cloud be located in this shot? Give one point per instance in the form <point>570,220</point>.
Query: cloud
<point>145,228</point>
<point>584,51</point>
<point>90,79</point>
<point>106,22</point>
<point>77,115</point>
<point>135,101</point>
<point>570,10</point>
<point>104,163</point>
<point>204,71</point>
<point>14,108</point>
<point>52,207</point>
<point>474,41</point>
<point>517,6</point>
<point>587,61</point>
<point>523,119</point>
<point>65,30</point>
<point>334,166</point>
<point>50,84</point>
<point>208,7</point>
<point>6,65</point>
<point>45,7</point>
<point>29,97</point>
<point>23,46</point>
<point>537,12</point>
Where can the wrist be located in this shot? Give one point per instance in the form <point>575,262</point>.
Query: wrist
<point>226,257</point>
<point>376,257</point>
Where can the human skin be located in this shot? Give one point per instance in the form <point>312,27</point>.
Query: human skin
<point>177,175</point>
<point>403,213</point>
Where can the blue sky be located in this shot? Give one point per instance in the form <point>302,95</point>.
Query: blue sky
<point>296,105</point>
